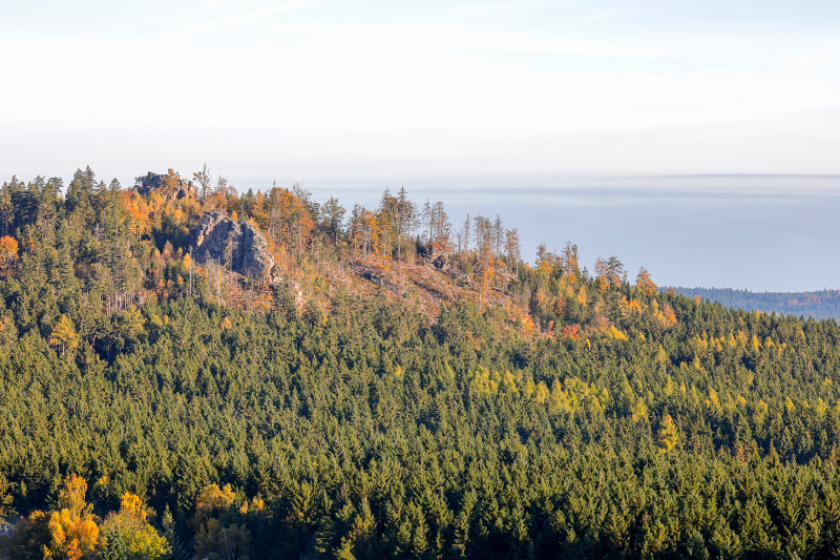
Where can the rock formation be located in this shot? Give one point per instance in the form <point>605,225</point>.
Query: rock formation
<point>169,186</point>
<point>249,253</point>
<point>439,255</point>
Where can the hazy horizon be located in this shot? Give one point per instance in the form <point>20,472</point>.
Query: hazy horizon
<point>749,232</point>
<point>754,232</point>
<point>696,137</point>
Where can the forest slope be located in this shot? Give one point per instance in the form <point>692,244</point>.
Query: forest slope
<point>387,392</point>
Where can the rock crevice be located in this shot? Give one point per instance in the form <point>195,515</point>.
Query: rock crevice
<point>233,243</point>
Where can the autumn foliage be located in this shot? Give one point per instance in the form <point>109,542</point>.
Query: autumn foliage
<point>8,252</point>
<point>644,284</point>
<point>400,387</point>
<point>74,533</point>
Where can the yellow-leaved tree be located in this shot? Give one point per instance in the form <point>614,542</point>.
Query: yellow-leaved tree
<point>644,284</point>
<point>73,531</point>
<point>215,537</point>
<point>8,252</point>
<point>64,335</point>
<point>639,411</point>
<point>569,258</point>
<point>213,499</point>
<point>602,278</point>
<point>127,533</point>
<point>132,323</point>
<point>668,435</point>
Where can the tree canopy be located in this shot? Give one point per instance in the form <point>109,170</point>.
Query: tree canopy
<point>152,408</point>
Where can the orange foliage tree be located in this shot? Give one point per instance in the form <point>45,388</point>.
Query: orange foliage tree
<point>572,331</point>
<point>644,284</point>
<point>213,499</point>
<point>486,269</point>
<point>512,248</point>
<point>8,252</point>
<point>569,258</point>
<point>289,221</point>
<point>365,231</point>
<point>73,530</point>
<point>546,261</point>
<point>602,281</point>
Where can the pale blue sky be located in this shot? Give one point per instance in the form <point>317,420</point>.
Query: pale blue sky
<point>433,93</point>
<point>305,88</point>
<point>763,233</point>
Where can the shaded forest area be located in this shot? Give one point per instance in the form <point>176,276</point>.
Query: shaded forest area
<point>820,304</point>
<point>388,391</point>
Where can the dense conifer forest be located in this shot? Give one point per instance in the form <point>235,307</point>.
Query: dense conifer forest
<point>820,304</point>
<point>397,387</point>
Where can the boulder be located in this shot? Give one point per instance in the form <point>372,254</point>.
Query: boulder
<point>169,186</point>
<point>250,256</point>
<point>440,255</point>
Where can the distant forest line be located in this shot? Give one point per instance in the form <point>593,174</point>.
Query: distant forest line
<point>821,304</point>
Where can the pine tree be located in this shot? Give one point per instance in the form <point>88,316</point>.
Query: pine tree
<point>115,548</point>
<point>6,500</point>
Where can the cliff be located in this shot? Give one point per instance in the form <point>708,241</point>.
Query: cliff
<point>250,255</point>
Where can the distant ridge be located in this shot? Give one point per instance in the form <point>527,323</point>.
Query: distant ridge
<point>821,304</point>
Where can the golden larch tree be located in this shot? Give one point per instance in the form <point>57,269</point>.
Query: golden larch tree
<point>668,435</point>
<point>130,526</point>
<point>8,252</point>
<point>73,530</point>
<point>644,284</point>
<point>64,334</point>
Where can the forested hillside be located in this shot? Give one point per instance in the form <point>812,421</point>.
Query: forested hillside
<point>394,387</point>
<point>820,304</point>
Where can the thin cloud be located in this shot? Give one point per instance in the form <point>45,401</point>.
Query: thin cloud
<point>506,86</point>
<point>189,11</point>
<point>239,20</point>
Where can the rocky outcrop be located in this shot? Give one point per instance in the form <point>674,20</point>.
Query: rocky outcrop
<point>169,186</point>
<point>439,255</point>
<point>249,256</point>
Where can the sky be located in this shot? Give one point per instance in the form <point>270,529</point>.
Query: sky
<point>776,233</point>
<point>427,93</point>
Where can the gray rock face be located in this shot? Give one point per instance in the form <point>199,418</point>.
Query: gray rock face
<point>175,189</point>
<point>250,255</point>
